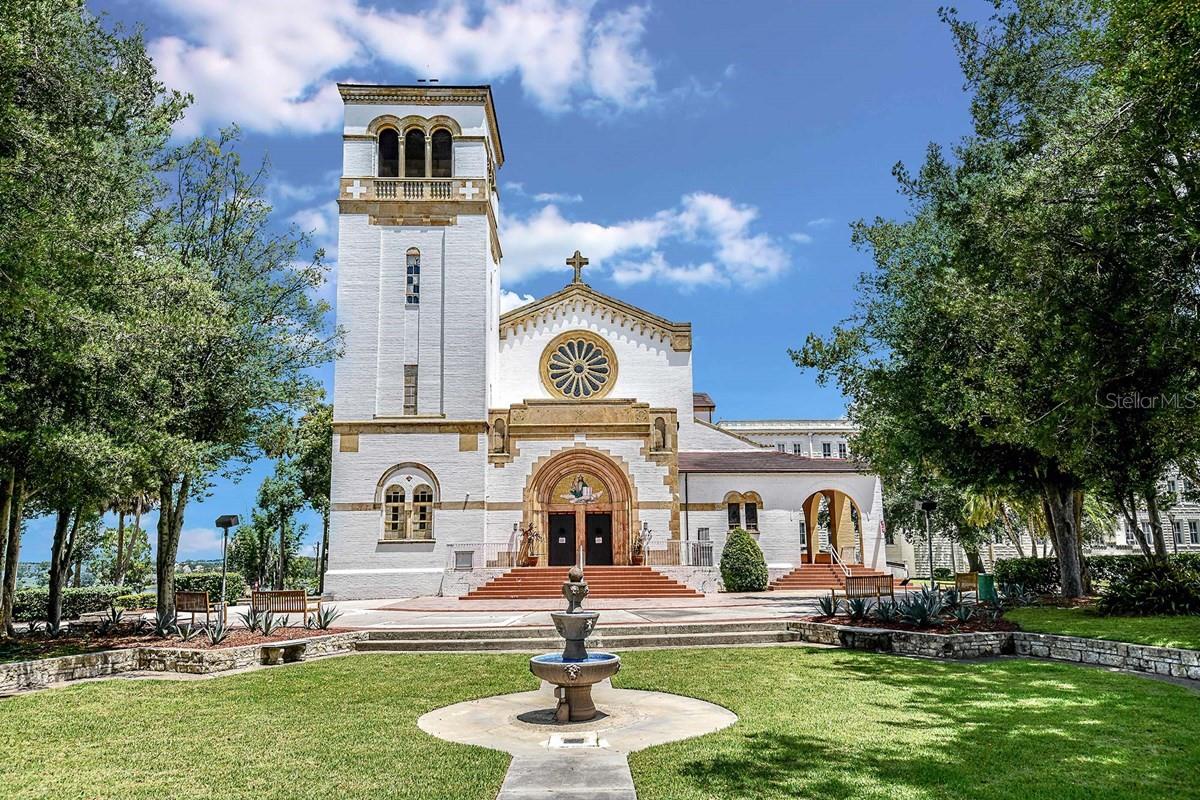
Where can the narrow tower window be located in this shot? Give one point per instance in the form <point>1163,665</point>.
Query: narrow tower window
<point>443,154</point>
<point>393,513</point>
<point>389,153</point>
<point>414,154</point>
<point>412,277</point>
<point>422,527</point>
<point>410,390</point>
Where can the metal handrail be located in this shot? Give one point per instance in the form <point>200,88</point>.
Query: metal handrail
<point>837,560</point>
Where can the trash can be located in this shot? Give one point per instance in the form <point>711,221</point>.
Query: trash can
<point>987,587</point>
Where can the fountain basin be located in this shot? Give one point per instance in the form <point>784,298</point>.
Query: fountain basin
<point>574,679</point>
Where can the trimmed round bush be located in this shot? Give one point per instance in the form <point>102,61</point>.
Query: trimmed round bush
<point>235,585</point>
<point>1154,588</point>
<point>743,568</point>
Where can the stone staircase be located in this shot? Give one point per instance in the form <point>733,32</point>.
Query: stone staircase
<point>818,577</point>
<point>607,637</point>
<point>546,582</point>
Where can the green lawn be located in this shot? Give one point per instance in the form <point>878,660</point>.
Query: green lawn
<point>814,723</point>
<point>1176,631</point>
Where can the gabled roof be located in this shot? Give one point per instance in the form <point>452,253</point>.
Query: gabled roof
<point>702,400</point>
<point>580,296</point>
<point>765,461</point>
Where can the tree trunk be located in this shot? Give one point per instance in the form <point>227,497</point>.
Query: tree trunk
<point>1060,500</point>
<point>974,562</point>
<point>1156,531</point>
<point>1013,536</point>
<point>170,525</point>
<point>137,531</point>
<point>118,567</point>
<point>6,504</point>
<point>323,561</point>
<point>60,563</point>
<point>1129,512</point>
<point>12,552</point>
<point>282,551</point>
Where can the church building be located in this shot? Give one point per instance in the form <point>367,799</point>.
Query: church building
<point>474,447</point>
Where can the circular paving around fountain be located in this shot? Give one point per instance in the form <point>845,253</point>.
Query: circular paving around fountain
<point>523,723</point>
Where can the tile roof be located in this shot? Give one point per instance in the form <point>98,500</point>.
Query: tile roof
<point>702,400</point>
<point>764,461</point>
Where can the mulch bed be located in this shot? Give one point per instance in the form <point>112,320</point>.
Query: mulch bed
<point>27,648</point>
<point>974,626</point>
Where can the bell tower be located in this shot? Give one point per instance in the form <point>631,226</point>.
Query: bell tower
<point>418,253</point>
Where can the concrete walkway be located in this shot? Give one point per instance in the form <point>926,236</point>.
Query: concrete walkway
<point>450,612</point>
<point>579,760</point>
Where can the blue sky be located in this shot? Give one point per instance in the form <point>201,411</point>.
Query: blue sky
<point>708,157</point>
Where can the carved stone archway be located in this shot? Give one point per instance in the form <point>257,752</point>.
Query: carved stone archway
<point>617,497</point>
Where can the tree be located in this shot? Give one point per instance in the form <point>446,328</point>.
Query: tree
<point>279,498</point>
<point>314,460</point>
<point>122,557</point>
<point>245,360</point>
<point>81,118</point>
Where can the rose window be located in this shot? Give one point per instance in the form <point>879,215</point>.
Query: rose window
<point>578,367</point>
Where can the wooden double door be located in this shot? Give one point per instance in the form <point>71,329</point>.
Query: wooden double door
<point>594,535</point>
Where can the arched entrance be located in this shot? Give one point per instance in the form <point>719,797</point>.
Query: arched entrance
<point>580,500</point>
<point>834,512</point>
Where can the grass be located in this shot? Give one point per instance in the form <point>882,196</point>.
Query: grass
<point>813,723</point>
<point>1160,631</point>
<point>843,724</point>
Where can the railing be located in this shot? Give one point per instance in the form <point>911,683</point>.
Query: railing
<point>441,189</point>
<point>480,555</point>
<point>680,554</point>
<point>838,560</point>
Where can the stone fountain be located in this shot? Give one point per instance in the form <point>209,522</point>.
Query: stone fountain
<point>574,671</point>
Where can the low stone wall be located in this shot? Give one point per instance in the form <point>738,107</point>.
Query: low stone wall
<point>1171,661</point>
<point>24,675</point>
<point>909,643</point>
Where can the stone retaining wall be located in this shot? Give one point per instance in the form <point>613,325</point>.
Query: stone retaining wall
<point>1170,661</point>
<point>24,675</point>
<point>909,643</point>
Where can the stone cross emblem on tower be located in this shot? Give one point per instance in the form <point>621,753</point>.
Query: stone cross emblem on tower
<point>578,262</point>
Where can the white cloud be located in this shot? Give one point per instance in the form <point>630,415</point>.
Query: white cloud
<point>510,300</point>
<point>820,222</point>
<point>634,249</point>
<point>801,238</point>
<point>557,197</point>
<point>271,65</point>
<point>199,543</point>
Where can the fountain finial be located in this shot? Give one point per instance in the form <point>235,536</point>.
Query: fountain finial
<point>575,589</point>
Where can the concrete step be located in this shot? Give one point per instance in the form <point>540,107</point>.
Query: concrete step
<point>605,642</point>
<point>546,582</point>
<point>541,631</point>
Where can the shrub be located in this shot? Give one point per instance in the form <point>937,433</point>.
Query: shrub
<point>886,611</point>
<point>857,608</point>
<point>235,585</point>
<point>137,600</point>
<point>829,605</point>
<point>1038,575</point>
<point>743,568</point>
<point>323,618</point>
<point>943,574</point>
<point>1154,588</point>
<point>34,603</point>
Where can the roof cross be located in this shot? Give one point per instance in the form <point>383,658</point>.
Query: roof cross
<point>578,262</point>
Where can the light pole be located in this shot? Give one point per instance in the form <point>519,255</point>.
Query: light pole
<point>225,522</point>
<point>928,505</point>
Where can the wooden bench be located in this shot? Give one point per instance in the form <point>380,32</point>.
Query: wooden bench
<point>286,601</point>
<point>198,603</point>
<point>861,586</point>
<point>967,582</point>
<point>283,652</point>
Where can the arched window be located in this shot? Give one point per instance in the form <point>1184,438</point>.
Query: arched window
<point>393,513</point>
<point>422,516</point>
<point>414,154</point>
<point>499,436</point>
<point>412,277</point>
<point>389,153</point>
<point>443,154</point>
<point>659,441</point>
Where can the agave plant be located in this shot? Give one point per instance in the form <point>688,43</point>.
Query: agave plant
<point>829,605</point>
<point>216,632</point>
<point>963,613</point>
<point>111,620</point>
<point>886,611</point>
<point>187,631</point>
<point>952,598</point>
<point>165,624</point>
<point>857,607</point>
<point>271,623</point>
<point>323,618</point>
<point>252,619</point>
<point>917,611</point>
<point>36,628</point>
